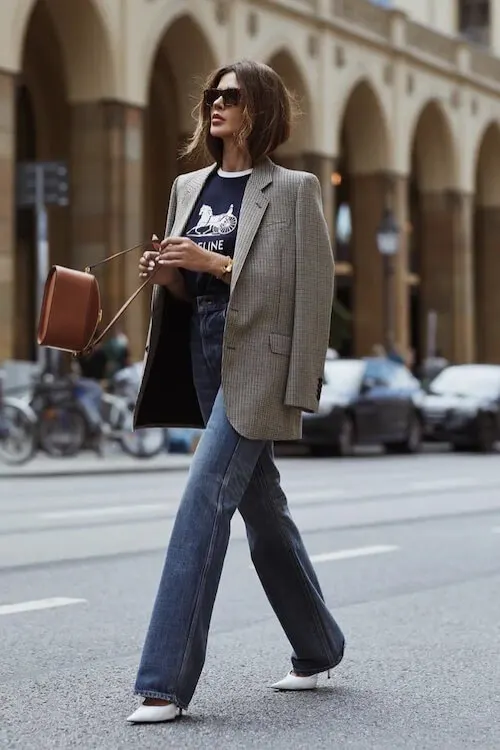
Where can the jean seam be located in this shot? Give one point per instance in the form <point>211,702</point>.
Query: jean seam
<point>319,625</point>
<point>197,603</point>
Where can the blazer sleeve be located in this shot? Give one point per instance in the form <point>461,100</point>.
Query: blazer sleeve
<point>314,280</point>
<point>172,208</point>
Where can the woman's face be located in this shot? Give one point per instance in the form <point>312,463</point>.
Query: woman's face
<point>226,112</point>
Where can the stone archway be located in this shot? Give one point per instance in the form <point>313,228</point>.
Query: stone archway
<point>486,255</point>
<point>364,188</point>
<point>52,95</point>
<point>175,85</point>
<point>295,153</point>
<point>42,133</point>
<point>300,152</point>
<point>439,219</point>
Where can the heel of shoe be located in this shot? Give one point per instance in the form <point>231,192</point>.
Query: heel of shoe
<point>329,673</point>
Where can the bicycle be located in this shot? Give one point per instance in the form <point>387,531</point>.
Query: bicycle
<point>67,426</point>
<point>18,429</point>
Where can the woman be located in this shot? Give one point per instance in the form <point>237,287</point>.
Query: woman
<point>237,341</point>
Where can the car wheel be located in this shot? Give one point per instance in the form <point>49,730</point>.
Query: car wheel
<point>486,433</point>
<point>415,435</point>
<point>346,440</point>
<point>414,438</point>
<point>461,447</point>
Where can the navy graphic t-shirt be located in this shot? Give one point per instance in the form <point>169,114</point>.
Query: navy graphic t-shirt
<point>214,225</point>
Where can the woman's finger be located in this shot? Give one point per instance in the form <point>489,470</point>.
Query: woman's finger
<point>172,259</point>
<point>172,256</point>
<point>172,241</point>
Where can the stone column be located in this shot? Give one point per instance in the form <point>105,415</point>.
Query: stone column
<point>464,324</point>
<point>323,167</point>
<point>7,232</point>
<point>401,265</point>
<point>446,284</point>
<point>107,202</point>
<point>368,199</point>
<point>487,283</point>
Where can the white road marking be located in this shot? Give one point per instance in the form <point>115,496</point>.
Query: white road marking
<point>11,609</point>
<point>443,484</point>
<point>349,554</point>
<point>114,510</point>
<point>496,529</point>
<point>296,496</point>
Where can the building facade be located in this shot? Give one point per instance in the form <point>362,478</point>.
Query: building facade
<point>397,112</point>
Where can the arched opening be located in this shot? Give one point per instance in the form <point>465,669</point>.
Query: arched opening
<point>361,194</point>
<point>42,134</point>
<point>175,86</point>
<point>65,60</point>
<point>293,154</point>
<point>432,207</point>
<point>486,252</point>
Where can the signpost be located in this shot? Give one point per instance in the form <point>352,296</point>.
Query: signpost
<point>41,184</point>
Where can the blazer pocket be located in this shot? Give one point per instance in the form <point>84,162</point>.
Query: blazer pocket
<point>280,344</point>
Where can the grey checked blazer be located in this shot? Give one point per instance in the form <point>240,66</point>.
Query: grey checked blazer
<point>278,317</point>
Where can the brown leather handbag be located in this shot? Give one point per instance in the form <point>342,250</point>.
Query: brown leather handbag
<point>71,307</point>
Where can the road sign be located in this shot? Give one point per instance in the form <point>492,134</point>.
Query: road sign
<point>42,181</point>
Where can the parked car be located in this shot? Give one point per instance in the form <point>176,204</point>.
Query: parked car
<point>462,406</point>
<point>365,401</point>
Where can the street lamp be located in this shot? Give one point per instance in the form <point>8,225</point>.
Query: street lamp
<point>388,235</point>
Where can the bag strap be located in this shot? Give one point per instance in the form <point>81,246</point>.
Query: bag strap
<point>97,339</point>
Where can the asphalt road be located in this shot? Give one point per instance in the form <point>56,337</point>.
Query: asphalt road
<point>407,551</point>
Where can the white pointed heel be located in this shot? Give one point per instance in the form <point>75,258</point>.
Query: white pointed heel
<point>154,714</point>
<point>297,682</point>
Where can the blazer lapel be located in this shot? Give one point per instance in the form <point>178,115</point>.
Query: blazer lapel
<point>187,197</point>
<point>252,212</point>
<point>186,200</point>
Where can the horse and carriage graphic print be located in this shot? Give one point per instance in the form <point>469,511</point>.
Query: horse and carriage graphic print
<point>214,226</point>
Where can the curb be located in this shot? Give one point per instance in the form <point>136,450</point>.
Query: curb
<point>86,470</point>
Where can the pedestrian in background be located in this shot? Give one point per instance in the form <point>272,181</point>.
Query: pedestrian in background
<point>117,351</point>
<point>239,331</point>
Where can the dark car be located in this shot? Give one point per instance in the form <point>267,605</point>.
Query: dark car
<point>462,406</point>
<point>365,402</point>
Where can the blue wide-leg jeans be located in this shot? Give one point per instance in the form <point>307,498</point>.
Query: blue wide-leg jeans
<point>228,473</point>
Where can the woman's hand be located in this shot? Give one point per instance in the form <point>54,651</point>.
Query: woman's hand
<point>181,252</point>
<point>148,265</point>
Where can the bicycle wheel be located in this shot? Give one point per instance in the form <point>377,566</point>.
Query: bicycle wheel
<point>17,434</point>
<point>145,443</point>
<point>62,431</point>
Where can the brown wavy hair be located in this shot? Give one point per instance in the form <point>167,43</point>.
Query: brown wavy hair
<point>268,111</point>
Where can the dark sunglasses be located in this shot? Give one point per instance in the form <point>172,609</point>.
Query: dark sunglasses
<point>230,97</point>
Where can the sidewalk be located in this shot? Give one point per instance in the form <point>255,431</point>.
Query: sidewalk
<point>88,463</point>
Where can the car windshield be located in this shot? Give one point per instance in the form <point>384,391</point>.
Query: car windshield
<point>344,376</point>
<point>467,380</point>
